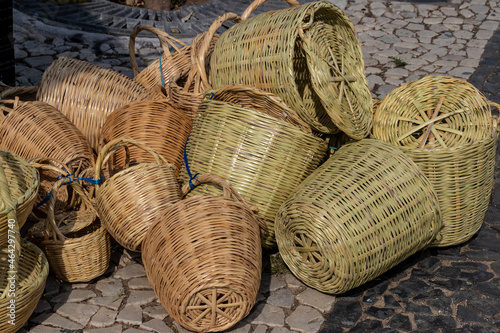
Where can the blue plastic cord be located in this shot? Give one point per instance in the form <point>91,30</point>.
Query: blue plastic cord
<point>191,177</point>
<point>161,72</point>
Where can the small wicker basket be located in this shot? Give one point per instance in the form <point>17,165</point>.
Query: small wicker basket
<point>445,126</point>
<point>131,199</point>
<point>362,212</point>
<point>203,258</point>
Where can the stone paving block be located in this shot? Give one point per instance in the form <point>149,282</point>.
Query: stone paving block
<point>260,329</point>
<point>133,330</point>
<point>42,306</point>
<point>129,272</point>
<point>80,313</point>
<point>139,283</point>
<point>110,287</point>
<point>282,330</point>
<point>283,298</point>
<point>266,314</point>
<point>104,317</point>
<point>156,312</point>
<point>305,319</point>
<point>111,302</point>
<point>156,325</point>
<point>292,282</point>
<point>241,327</point>
<point>112,329</point>
<point>52,286</point>
<point>318,300</point>
<point>43,329</point>
<point>53,319</point>
<point>131,314</point>
<point>73,296</point>
<point>141,297</point>
<point>180,329</point>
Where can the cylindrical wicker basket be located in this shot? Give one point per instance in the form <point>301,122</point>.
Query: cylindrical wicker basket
<point>362,212</point>
<point>86,93</point>
<point>309,56</point>
<point>131,199</point>
<point>158,124</point>
<point>203,257</point>
<point>445,126</point>
<point>23,182</point>
<point>263,156</point>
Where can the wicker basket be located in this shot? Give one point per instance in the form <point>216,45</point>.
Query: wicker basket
<point>296,53</point>
<point>131,199</point>
<point>263,156</point>
<point>76,244</point>
<point>158,124</point>
<point>362,212</point>
<point>160,72</point>
<point>445,126</point>
<point>23,288</point>
<point>23,183</point>
<point>203,258</point>
<point>86,93</point>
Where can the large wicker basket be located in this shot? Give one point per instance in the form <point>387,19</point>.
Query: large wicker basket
<point>309,56</point>
<point>257,143</point>
<point>362,212</point>
<point>131,199</point>
<point>203,257</point>
<point>445,126</point>
<point>158,124</point>
<point>86,93</point>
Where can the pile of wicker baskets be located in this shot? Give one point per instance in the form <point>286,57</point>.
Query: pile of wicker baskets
<point>257,137</point>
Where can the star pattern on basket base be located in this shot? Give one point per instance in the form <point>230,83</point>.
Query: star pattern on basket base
<point>307,249</point>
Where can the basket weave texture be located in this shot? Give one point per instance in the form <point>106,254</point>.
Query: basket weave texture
<point>158,124</point>
<point>267,52</point>
<point>129,201</point>
<point>263,157</point>
<point>203,257</point>
<point>365,210</point>
<point>86,94</point>
<point>445,126</point>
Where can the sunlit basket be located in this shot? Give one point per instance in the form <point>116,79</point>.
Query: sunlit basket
<point>23,182</point>
<point>131,199</point>
<point>203,257</point>
<point>445,126</point>
<point>83,254</point>
<point>308,55</point>
<point>158,124</point>
<point>23,266</point>
<point>359,214</point>
<point>257,143</point>
<point>86,94</point>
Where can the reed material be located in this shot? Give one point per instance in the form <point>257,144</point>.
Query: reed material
<point>131,199</point>
<point>203,257</point>
<point>262,156</point>
<point>445,126</point>
<point>86,94</point>
<point>366,209</point>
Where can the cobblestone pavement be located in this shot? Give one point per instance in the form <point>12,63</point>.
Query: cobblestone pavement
<point>455,289</point>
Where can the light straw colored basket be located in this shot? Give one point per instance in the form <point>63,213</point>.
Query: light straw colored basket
<point>172,64</point>
<point>263,156</point>
<point>268,52</point>
<point>23,266</point>
<point>131,199</point>
<point>445,126</point>
<point>23,181</point>
<point>203,257</point>
<point>362,212</point>
<point>86,94</point>
<point>76,244</point>
<point>158,124</point>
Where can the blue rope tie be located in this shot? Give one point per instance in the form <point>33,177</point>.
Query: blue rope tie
<point>334,148</point>
<point>191,177</point>
<point>161,72</point>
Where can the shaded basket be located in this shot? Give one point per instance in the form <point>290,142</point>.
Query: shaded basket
<point>157,124</point>
<point>366,209</point>
<point>203,257</point>
<point>263,156</point>
<point>24,267</point>
<point>309,56</point>
<point>23,182</point>
<point>131,199</point>
<point>445,126</point>
<point>86,94</point>
<point>76,244</point>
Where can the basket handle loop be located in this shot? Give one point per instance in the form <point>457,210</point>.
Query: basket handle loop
<point>257,3</point>
<point>497,106</point>
<point>165,39</point>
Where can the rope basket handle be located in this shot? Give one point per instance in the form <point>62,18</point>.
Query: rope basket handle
<point>227,191</point>
<point>112,146</point>
<point>10,92</point>
<point>165,40</point>
<point>199,61</point>
<point>257,3</point>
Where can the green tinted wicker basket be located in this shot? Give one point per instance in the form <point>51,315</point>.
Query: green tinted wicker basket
<point>445,126</point>
<point>366,209</point>
<point>309,56</point>
<point>261,147</point>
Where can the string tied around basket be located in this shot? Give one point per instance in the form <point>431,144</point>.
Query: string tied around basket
<point>191,177</point>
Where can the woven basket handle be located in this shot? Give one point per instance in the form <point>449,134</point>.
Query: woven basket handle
<point>10,92</point>
<point>227,191</point>
<point>497,106</point>
<point>198,66</point>
<point>165,39</point>
<point>112,146</point>
<point>257,3</point>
